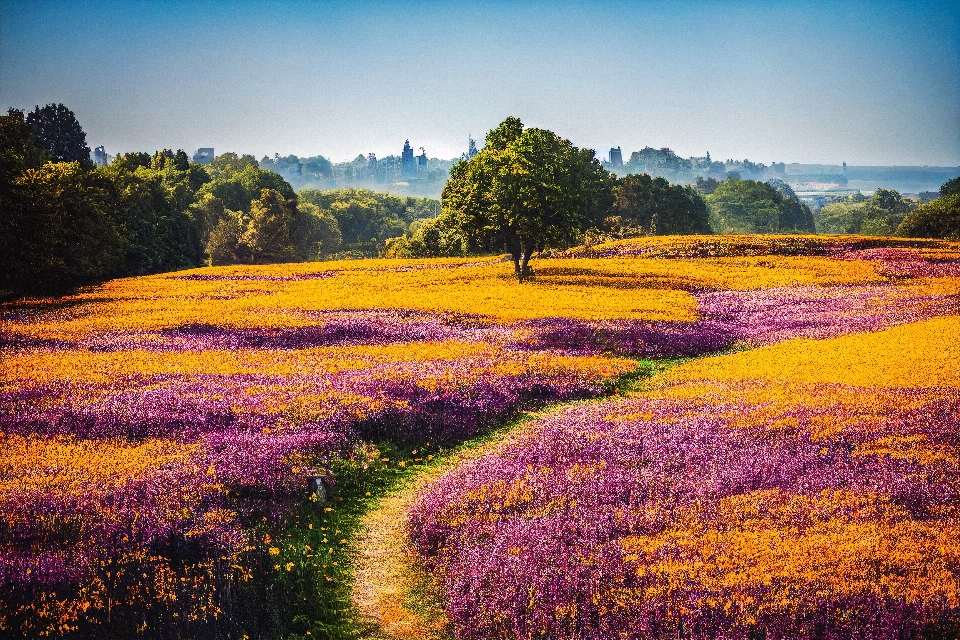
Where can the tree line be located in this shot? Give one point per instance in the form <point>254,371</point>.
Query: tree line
<point>887,213</point>
<point>65,223</point>
<point>529,190</point>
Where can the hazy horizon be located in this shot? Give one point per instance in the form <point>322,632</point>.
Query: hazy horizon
<point>876,83</point>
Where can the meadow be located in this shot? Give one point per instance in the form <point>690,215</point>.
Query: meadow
<point>795,474</point>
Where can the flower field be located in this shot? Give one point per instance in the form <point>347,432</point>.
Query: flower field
<point>805,489</point>
<point>157,431</point>
<point>120,464</point>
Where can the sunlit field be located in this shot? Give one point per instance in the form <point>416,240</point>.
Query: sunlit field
<point>794,471</point>
<point>809,489</point>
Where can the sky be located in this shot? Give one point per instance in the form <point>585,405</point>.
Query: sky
<point>867,83</point>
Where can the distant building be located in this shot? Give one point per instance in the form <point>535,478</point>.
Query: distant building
<point>616,158</point>
<point>422,162</point>
<point>100,157</point>
<point>203,155</point>
<point>408,164</point>
<point>471,149</point>
<point>388,169</point>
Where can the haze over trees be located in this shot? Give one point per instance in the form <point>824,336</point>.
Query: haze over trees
<point>878,215</point>
<point>385,174</point>
<point>299,171</point>
<point>750,206</point>
<point>665,163</point>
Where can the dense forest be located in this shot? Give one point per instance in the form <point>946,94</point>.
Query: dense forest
<point>65,223</point>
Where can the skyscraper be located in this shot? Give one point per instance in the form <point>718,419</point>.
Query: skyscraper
<point>408,164</point>
<point>422,162</point>
<point>100,157</point>
<point>616,158</point>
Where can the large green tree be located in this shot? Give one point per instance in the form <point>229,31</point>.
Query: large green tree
<point>315,233</point>
<point>56,227</point>
<point>886,211</point>
<point>68,236</point>
<point>268,231</point>
<point>55,129</point>
<point>527,189</point>
<point>223,243</point>
<point>153,209</point>
<point>17,224</point>
<point>939,218</point>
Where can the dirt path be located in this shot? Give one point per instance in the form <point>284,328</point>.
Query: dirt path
<point>390,590</point>
<point>393,595</point>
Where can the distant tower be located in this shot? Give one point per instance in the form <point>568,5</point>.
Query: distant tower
<point>422,162</point>
<point>471,147</point>
<point>616,158</point>
<point>204,155</point>
<point>100,157</point>
<point>408,164</point>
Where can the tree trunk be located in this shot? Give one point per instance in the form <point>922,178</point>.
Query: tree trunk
<point>515,254</point>
<point>523,270</point>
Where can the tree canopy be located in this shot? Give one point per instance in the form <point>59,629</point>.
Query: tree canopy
<point>527,189</point>
<point>55,224</point>
<point>54,128</point>
<point>749,206</point>
<point>879,215</point>
<point>65,223</point>
<point>651,206</point>
<point>939,218</point>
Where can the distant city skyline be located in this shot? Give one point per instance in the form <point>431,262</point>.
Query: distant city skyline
<point>869,83</point>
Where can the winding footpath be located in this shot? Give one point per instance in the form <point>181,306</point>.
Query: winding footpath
<point>394,596</point>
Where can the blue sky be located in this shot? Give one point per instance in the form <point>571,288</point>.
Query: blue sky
<point>860,82</point>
